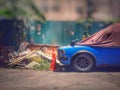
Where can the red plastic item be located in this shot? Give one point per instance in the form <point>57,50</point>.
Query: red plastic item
<point>53,61</point>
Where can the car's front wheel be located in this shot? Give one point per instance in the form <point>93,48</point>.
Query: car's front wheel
<point>83,62</point>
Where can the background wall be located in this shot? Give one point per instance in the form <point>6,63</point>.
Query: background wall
<point>61,32</point>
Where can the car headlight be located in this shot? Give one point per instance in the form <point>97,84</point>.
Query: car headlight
<point>61,54</point>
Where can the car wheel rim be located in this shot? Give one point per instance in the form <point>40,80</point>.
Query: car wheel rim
<point>82,62</point>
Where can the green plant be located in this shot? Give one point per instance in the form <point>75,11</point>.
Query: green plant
<point>43,65</point>
<point>21,9</point>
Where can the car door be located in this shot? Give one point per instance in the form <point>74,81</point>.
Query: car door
<point>111,56</point>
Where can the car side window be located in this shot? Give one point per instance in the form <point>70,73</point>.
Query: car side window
<point>107,35</point>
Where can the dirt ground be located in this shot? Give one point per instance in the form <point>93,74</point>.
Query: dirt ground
<point>22,79</point>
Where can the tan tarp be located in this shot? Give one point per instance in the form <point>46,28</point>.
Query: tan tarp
<point>108,37</point>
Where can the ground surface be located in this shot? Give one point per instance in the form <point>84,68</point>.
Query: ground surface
<point>21,79</point>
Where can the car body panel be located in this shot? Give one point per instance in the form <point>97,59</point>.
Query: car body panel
<point>111,56</point>
<point>102,55</point>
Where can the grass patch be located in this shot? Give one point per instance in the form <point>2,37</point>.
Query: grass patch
<point>44,65</point>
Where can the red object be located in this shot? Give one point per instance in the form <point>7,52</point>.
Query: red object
<point>108,37</point>
<point>53,61</point>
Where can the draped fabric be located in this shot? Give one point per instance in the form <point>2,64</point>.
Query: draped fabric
<point>108,37</point>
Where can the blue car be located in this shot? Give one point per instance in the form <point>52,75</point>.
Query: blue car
<point>101,48</point>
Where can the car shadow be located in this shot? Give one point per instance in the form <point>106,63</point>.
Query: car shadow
<point>98,69</point>
<point>107,69</point>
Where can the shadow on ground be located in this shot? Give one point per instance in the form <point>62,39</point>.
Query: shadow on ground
<point>98,69</point>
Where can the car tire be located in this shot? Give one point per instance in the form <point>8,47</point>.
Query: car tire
<point>83,62</point>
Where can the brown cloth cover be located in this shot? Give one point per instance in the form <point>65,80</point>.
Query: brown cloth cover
<point>108,37</point>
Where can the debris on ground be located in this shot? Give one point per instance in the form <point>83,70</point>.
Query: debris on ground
<point>31,65</point>
<point>29,57</point>
<point>18,59</point>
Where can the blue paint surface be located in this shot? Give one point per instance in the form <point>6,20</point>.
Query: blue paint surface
<point>102,55</point>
